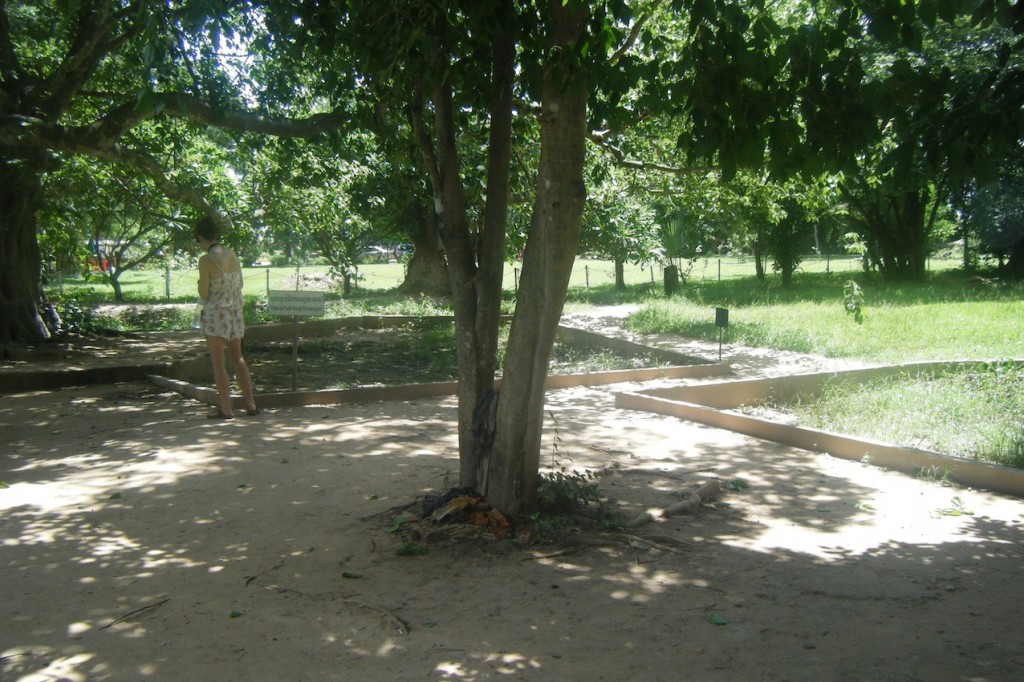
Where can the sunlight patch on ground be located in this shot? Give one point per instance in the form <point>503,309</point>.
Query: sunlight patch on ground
<point>917,520</point>
<point>502,663</point>
<point>65,668</point>
<point>83,480</point>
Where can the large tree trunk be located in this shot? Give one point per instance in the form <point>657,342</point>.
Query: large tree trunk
<point>759,258</point>
<point>21,291</point>
<point>510,480</point>
<point>475,266</point>
<point>897,230</point>
<point>620,274</point>
<point>427,272</point>
<point>1014,268</point>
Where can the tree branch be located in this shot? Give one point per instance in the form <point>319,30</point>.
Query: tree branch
<point>111,127</point>
<point>9,64</point>
<point>92,43</point>
<point>601,140</point>
<point>634,32</point>
<point>58,138</point>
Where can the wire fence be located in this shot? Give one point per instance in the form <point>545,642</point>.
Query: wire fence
<point>174,283</point>
<point>586,273</point>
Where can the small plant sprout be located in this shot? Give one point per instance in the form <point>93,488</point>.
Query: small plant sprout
<point>853,301</point>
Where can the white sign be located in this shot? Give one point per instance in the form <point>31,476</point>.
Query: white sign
<point>296,303</point>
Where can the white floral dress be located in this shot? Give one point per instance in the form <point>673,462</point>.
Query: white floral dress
<point>222,311</point>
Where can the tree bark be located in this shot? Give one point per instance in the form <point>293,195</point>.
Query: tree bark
<point>511,470</point>
<point>427,272</point>
<point>22,301</point>
<point>620,274</point>
<point>897,230</point>
<point>475,265</point>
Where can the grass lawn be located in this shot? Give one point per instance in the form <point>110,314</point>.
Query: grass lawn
<point>950,317</point>
<point>973,414</point>
<point>947,318</point>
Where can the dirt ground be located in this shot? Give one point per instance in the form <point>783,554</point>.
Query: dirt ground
<point>143,541</point>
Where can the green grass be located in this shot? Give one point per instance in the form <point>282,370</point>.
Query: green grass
<point>973,414</point>
<point>945,318</point>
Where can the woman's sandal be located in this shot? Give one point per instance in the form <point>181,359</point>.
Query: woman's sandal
<point>219,414</point>
<point>253,411</point>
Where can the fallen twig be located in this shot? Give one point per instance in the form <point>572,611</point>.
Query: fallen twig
<point>141,609</point>
<point>548,555</point>
<point>390,512</point>
<point>279,564</point>
<point>400,626</point>
<point>397,623</point>
<point>647,543</point>
<point>664,539</point>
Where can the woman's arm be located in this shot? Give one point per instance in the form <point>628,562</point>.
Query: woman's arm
<point>204,277</point>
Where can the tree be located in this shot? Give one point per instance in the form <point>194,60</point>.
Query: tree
<point>996,211</point>
<point>131,227</point>
<point>950,104</point>
<point>752,89</point>
<point>457,67</point>
<point>619,222</point>
<point>81,79</point>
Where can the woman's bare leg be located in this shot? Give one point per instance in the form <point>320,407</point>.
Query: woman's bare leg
<point>215,345</point>
<point>242,373</point>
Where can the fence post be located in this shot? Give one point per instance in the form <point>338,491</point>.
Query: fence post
<point>167,280</point>
<point>268,281</point>
<point>719,269</point>
<point>586,273</point>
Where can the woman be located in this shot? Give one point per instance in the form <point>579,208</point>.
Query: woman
<point>220,288</point>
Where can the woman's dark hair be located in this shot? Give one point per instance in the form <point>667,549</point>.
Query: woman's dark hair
<point>207,228</point>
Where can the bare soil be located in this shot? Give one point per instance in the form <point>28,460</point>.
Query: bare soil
<point>392,356</point>
<point>143,541</point>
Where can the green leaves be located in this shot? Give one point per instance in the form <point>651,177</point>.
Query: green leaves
<point>853,301</point>
<point>737,485</point>
<point>411,549</point>
<point>956,507</point>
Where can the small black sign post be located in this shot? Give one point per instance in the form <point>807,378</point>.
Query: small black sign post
<point>722,322</point>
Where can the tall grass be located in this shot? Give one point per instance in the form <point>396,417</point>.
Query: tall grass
<point>976,414</point>
<point>947,317</point>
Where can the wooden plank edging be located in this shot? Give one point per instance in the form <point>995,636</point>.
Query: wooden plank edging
<point>706,404</point>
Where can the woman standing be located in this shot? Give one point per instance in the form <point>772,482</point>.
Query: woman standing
<point>220,288</point>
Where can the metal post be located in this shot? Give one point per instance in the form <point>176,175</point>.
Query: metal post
<point>722,322</point>
<point>586,273</point>
<point>295,353</point>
